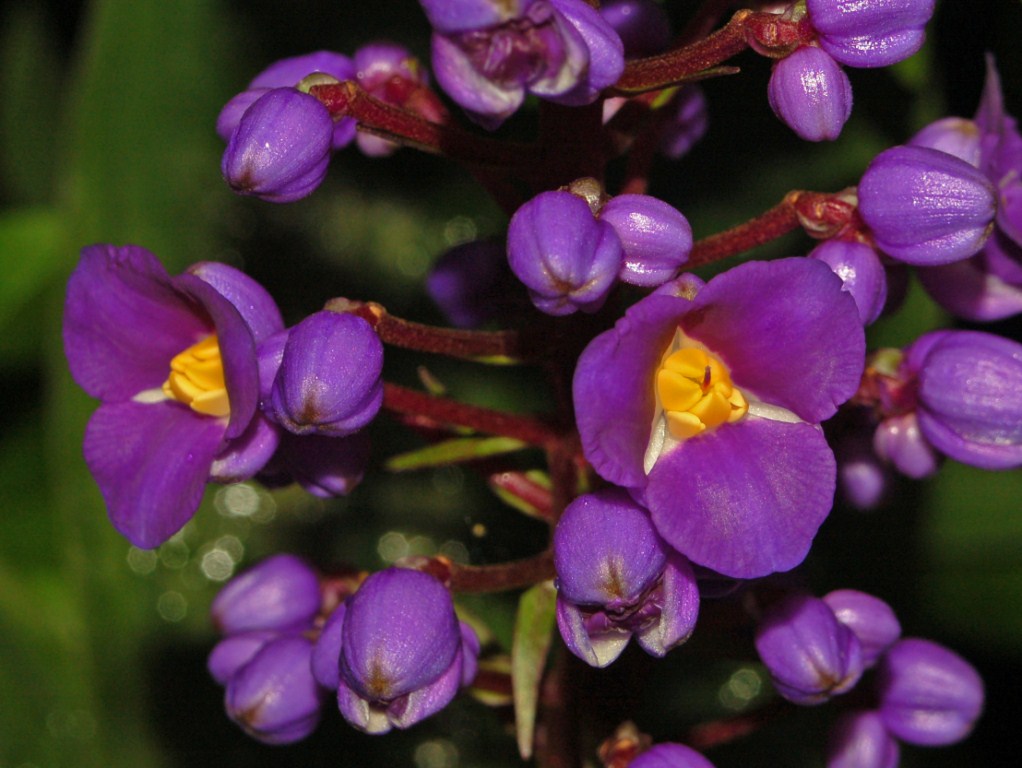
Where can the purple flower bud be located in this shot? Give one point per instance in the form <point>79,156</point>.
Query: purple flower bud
<point>670,756</point>
<point>642,25</point>
<point>616,578</point>
<point>811,656</point>
<point>860,740</point>
<point>969,396</point>
<point>954,135</point>
<point>230,116</point>
<point>929,695</point>
<point>860,270</point>
<point>326,655</point>
<point>329,377</point>
<point>899,441</point>
<point>810,92</point>
<point>323,466</point>
<point>870,33</point>
<point>234,652</point>
<point>926,207</point>
<point>656,238</point>
<point>281,148</point>
<point>870,618</point>
<point>568,259</point>
<point>688,125</point>
<point>488,56</point>
<point>274,697</point>
<point>470,283</point>
<point>402,651</point>
<point>281,592</point>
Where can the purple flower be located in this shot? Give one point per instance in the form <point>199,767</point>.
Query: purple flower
<point>471,283</point>
<point>323,466</point>
<point>281,148</point>
<point>616,578</point>
<point>280,593</point>
<point>899,440</point>
<point>235,651</point>
<point>288,73</point>
<point>402,653</point>
<point>968,389</point>
<point>926,207</point>
<point>811,94</point>
<point>811,656</point>
<point>870,33</point>
<point>929,695</point>
<point>173,362</point>
<point>488,55</point>
<point>568,259</point>
<point>656,238</point>
<point>707,410</point>
<point>860,271</point>
<point>860,740</point>
<point>670,756</point>
<point>987,286</point>
<point>274,696</point>
<point>688,124</point>
<point>328,382</point>
<point>870,618</point>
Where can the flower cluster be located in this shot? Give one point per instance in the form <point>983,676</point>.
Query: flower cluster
<point>688,446</point>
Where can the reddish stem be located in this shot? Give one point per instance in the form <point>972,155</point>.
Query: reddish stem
<point>427,338</point>
<point>502,577</point>
<point>683,64</point>
<point>404,401</point>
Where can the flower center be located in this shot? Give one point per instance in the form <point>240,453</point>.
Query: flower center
<point>696,393</point>
<point>197,379</point>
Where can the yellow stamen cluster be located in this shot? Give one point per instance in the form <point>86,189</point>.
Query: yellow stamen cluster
<point>197,379</point>
<point>696,393</point>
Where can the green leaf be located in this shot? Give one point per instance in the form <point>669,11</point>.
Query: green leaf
<point>30,241</point>
<point>534,627</point>
<point>453,452</point>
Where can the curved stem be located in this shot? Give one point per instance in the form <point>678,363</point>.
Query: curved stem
<point>502,577</point>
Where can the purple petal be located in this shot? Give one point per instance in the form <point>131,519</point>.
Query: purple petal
<point>860,740</point>
<point>151,462</point>
<point>280,593</point>
<point>969,290</point>
<point>595,649</point>
<point>862,275</point>
<point>325,466</point>
<point>954,135</point>
<point>899,440</point>
<point>234,109</point>
<point>747,499</point>
<point>656,238</point>
<point>291,71</point>
<point>642,25</point>
<point>234,652</point>
<point>124,322</point>
<point>326,655</point>
<point>488,102</point>
<point>612,388</point>
<point>470,648</point>
<point>329,377</point>
<point>870,33</point>
<point>237,351</point>
<point>429,699</point>
<point>970,399</point>
<point>606,52</point>
<point>870,618</point>
<point>670,756</point>
<point>786,331</point>
<point>460,15</point>
<point>399,634</point>
<point>926,207</point>
<point>606,550</point>
<point>688,125</point>
<point>929,695</point>
<point>359,712</point>
<point>680,609</point>
<point>246,455</point>
<point>252,301</point>
<point>811,94</point>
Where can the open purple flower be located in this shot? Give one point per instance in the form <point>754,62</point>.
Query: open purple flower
<point>488,55</point>
<point>708,410</point>
<point>397,649</point>
<point>173,362</point>
<point>616,578</point>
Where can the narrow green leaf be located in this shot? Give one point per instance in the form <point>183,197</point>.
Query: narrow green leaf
<point>30,246</point>
<point>534,628</point>
<point>453,452</point>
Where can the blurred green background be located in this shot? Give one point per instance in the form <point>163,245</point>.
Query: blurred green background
<point>106,135</point>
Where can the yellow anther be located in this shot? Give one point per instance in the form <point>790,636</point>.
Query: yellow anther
<point>197,379</point>
<point>696,393</point>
